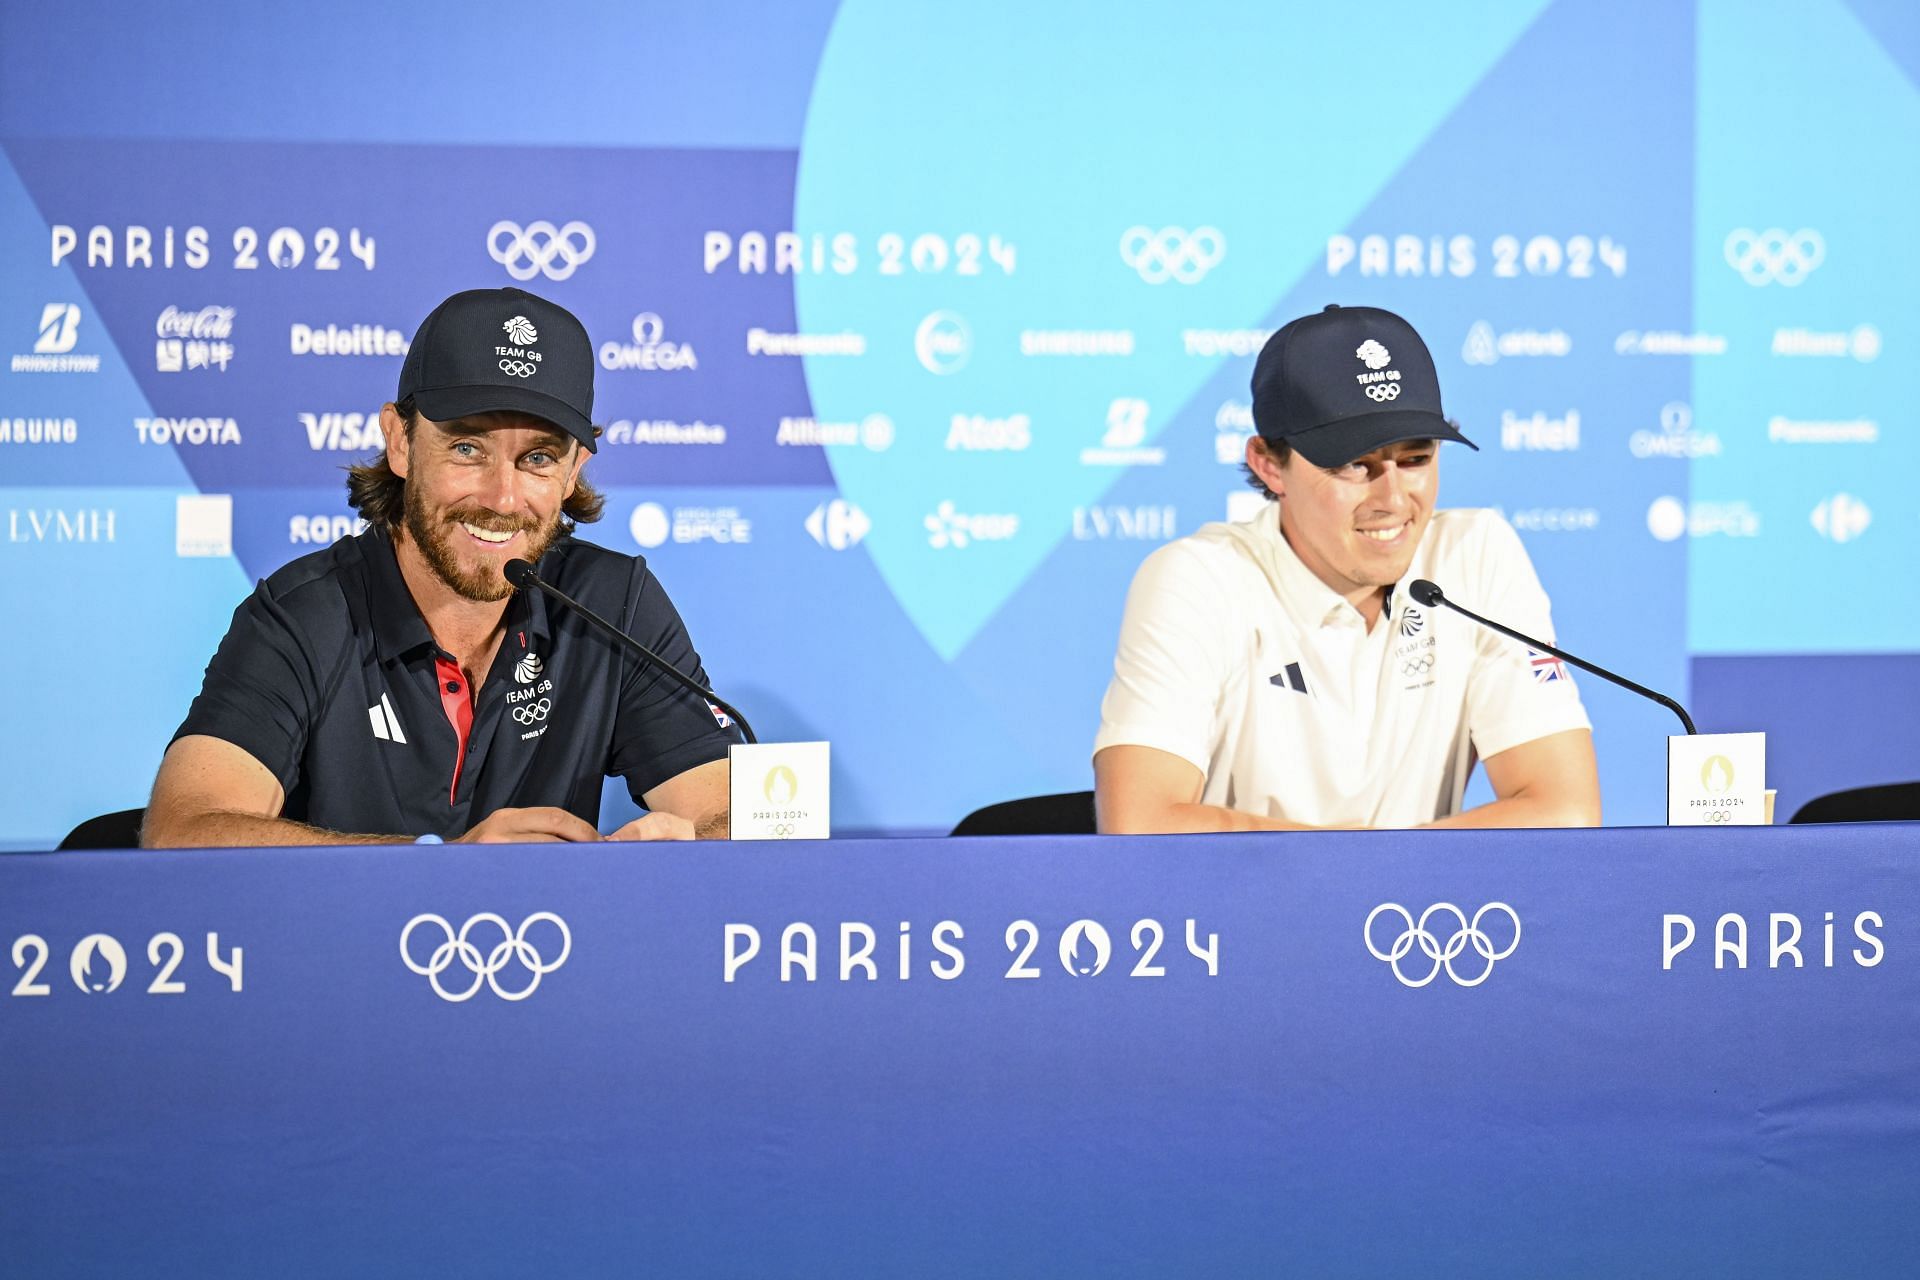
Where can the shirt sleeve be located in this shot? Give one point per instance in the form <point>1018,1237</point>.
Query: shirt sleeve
<point>1510,699</point>
<point>260,690</point>
<point>662,730</point>
<point>1171,666</point>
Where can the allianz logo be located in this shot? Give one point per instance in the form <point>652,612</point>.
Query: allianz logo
<point>1084,949</point>
<point>1785,937</point>
<point>352,432</point>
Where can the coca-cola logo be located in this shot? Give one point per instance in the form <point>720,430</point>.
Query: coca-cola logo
<point>207,322</point>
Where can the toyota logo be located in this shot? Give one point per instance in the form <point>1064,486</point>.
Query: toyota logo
<point>1172,253</point>
<point>513,946</point>
<point>532,711</point>
<point>1442,954</point>
<point>1774,256</point>
<point>541,248</point>
<point>517,368</point>
<point>1383,391</point>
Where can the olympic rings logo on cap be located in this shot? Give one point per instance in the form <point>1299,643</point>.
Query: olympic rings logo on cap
<point>513,945</point>
<point>1383,391</point>
<point>1774,256</point>
<point>530,712</point>
<point>1442,954</point>
<point>541,248</point>
<point>1172,253</point>
<point>517,368</point>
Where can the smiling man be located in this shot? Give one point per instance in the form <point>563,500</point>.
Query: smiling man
<point>1275,675</point>
<point>394,686</point>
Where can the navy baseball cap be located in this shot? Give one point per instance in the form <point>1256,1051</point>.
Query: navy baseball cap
<point>1345,381</point>
<point>488,350</point>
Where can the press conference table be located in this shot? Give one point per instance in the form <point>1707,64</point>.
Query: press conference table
<point>1369,1053</point>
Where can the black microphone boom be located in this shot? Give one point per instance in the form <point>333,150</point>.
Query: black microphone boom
<point>521,574</point>
<point>1427,594</point>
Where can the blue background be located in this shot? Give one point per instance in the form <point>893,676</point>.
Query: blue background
<point>951,677</point>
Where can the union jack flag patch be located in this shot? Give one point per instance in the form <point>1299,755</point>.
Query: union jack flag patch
<point>720,717</point>
<point>1547,668</point>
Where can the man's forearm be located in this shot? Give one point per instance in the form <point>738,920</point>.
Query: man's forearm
<point>220,829</point>
<point>1523,811</point>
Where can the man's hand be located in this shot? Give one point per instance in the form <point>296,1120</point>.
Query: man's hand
<point>529,826</point>
<point>655,826</point>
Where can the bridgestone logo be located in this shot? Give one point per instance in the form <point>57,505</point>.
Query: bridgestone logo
<point>56,364</point>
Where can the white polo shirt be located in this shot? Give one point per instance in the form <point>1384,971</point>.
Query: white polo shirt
<point>1235,657</point>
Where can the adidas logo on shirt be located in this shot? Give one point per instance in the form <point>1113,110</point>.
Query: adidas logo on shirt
<point>386,726</point>
<point>1289,678</point>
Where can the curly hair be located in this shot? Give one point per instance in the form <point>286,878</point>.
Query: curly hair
<point>379,495</point>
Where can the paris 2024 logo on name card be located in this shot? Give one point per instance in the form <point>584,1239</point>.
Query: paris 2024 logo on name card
<point>779,791</point>
<point>1716,780</point>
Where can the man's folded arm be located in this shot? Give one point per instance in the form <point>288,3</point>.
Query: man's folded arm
<point>212,794</point>
<point>1141,790</point>
<point>1552,781</point>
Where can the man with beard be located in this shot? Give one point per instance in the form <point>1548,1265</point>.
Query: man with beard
<point>1275,674</point>
<point>394,687</point>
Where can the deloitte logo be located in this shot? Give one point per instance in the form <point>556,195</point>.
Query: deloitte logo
<point>943,342</point>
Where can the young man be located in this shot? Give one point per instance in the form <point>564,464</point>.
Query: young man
<point>1275,674</point>
<point>394,687</point>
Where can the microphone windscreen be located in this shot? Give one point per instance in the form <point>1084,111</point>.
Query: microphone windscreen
<point>518,572</point>
<point>1422,591</point>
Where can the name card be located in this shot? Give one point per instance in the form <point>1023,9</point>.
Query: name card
<point>778,791</point>
<point>1717,780</point>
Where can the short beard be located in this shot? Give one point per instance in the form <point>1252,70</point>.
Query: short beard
<point>434,542</point>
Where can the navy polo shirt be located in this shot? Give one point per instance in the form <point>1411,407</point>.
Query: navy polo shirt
<point>329,677</point>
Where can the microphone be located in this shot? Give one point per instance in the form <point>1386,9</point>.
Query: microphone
<point>521,574</point>
<point>1427,594</point>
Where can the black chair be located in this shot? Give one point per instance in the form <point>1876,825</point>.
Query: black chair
<point>1070,814</point>
<point>1895,802</point>
<point>108,831</point>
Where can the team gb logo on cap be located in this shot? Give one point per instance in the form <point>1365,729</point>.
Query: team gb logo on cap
<point>1381,383</point>
<point>520,332</point>
<point>516,361</point>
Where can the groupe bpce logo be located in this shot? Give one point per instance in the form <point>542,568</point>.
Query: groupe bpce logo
<point>1774,256</point>
<point>1172,253</point>
<point>513,945</point>
<point>540,248</point>
<point>1442,954</point>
